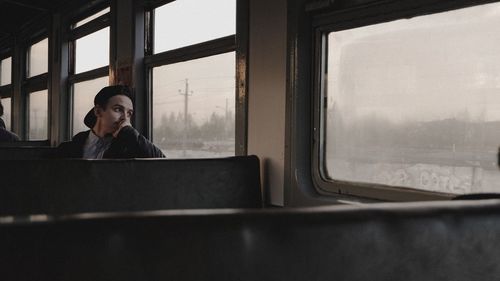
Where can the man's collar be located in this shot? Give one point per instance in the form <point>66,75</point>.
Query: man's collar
<point>93,138</point>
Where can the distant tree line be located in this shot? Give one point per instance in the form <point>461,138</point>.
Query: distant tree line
<point>446,134</point>
<point>173,131</point>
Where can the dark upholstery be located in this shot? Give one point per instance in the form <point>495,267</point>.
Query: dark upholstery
<point>26,152</point>
<point>412,242</point>
<point>75,186</point>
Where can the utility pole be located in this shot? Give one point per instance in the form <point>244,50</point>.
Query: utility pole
<point>186,94</point>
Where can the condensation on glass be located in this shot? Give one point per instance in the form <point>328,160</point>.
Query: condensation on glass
<point>92,51</point>
<point>7,109</point>
<point>416,103</point>
<point>5,71</point>
<point>83,100</point>
<point>93,17</point>
<point>38,115</point>
<point>194,107</point>
<point>186,22</point>
<point>38,58</point>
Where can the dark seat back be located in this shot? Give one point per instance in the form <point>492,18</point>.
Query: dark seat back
<point>75,186</point>
<point>10,152</point>
<point>412,242</point>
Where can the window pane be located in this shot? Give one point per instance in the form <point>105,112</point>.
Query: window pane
<point>96,15</point>
<point>6,103</point>
<point>193,107</point>
<point>38,58</point>
<point>38,110</point>
<point>416,102</point>
<point>185,22</point>
<point>83,100</point>
<point>6,67</point>
<point>92,51</point>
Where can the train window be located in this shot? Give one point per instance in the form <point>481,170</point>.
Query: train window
<point>91,18</point>
<point>37,58</point>
<point>92,51</point>
<point>186,22</point>
<point>83,99</point>
<point>6,92</point>
<point>7,109</point>
<point>38,115</point>
<point>194,107</point>
<point>192,69</point>
<point>413,104</point>
<point>5,71</point>
<point>89,67</point>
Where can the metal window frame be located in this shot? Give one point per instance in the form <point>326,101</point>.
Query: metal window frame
<point>345,16</point>
<point>237,43</point>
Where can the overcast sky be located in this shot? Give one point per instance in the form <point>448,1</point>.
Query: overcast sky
<point>427,68</point>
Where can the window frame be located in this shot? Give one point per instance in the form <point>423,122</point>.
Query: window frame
<point>329,18</point>
<point>35,83</point>
<point>6,90</point>
<point>237,43</point>
<point>75,33</point>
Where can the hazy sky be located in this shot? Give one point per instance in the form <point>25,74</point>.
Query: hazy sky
<point>211,81</point>
<point>186,22</point>
<point>6,67</point>
<point>92,51</point>
<point>432,67</point>
<point>39,62</point>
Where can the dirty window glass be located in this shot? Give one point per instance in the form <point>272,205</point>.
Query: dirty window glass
<point>194,107</point>
<point>416,102</point>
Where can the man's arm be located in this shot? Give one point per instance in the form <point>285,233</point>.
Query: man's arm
<point>128,143</point>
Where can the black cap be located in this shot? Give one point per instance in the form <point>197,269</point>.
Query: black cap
<point>101,99</point>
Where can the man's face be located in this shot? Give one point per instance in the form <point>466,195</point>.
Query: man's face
<point>119,109</point>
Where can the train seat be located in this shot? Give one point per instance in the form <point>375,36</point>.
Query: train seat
<point>452,240</point>
<point>64,186</point>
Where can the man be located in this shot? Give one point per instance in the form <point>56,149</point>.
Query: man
<point>5,136</point>
<point>111,134</point>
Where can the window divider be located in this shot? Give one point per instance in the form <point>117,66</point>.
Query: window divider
<point>36,83</point>
<point>89,75</point>
<point>90,27</point>
<point>209,48</point>
<point>6,91</point>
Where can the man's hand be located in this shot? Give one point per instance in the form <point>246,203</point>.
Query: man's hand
<point>123,123</point>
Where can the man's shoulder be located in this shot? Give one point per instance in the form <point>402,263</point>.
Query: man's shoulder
<point>81,136</point>
<point>74,147</point>
<point>7,135</point>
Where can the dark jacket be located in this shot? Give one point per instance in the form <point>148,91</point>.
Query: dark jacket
<point>128,144</point>
<point>6,136</point>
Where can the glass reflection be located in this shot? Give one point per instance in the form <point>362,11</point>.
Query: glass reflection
<point>38,115</point>
<point>194,107</point>
<point>83,100</point>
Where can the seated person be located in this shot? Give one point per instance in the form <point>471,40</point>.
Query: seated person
<point>111,134</point>
<point>5,135</point>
